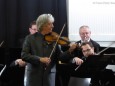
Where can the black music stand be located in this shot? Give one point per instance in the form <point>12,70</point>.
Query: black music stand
<point>93,63</point>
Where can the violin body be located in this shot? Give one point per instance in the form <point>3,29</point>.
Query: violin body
<point>54,37</point>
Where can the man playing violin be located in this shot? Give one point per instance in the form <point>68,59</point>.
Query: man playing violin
<point>85,35</point>
<point>104,77</point>
<point>41,56</point>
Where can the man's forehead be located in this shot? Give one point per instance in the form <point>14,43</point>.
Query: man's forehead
<point>85,46</point>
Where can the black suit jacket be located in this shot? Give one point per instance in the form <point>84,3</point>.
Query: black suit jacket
<point>34,48</point>
<point>95,44</point>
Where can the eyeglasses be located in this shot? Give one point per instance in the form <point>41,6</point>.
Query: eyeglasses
<point>34,29</point>
<point>84,33</point>
<point>86,50</point>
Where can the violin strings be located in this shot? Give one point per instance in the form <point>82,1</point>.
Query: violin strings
<point>57,41</point>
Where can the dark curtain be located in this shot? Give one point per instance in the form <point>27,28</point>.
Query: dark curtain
<point>15,16</point>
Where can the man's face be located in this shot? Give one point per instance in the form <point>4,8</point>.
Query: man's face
<point>47,28</point>
<point>85,33</point>
<point>87,50</point>
<point>33,29</point>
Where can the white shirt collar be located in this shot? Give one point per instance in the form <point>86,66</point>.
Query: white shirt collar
<point>83,41</point>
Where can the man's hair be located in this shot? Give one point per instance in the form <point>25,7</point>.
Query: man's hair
<point>44,19</point>
<point>85,43</point>
<point>32,23</point>
<point>84,26</point>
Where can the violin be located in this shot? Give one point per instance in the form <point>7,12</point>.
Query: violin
<point>53,36</point>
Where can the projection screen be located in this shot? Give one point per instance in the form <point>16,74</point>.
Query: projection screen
<point>99,15</point>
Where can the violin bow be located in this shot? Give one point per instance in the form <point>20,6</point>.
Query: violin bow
<point>1,43</point>
<point>105,48</point>
<point>57,41</point>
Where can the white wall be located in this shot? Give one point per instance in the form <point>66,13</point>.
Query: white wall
<point>99,15</point>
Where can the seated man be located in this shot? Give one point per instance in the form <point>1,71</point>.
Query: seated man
<point>100,77</point>
<point>32,30</point>
<point>85,35</point>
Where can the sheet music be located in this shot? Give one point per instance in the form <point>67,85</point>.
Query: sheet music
<point>109,54</point>
<point>112,67</point>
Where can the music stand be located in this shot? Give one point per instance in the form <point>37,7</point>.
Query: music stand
<point>94,63</point>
